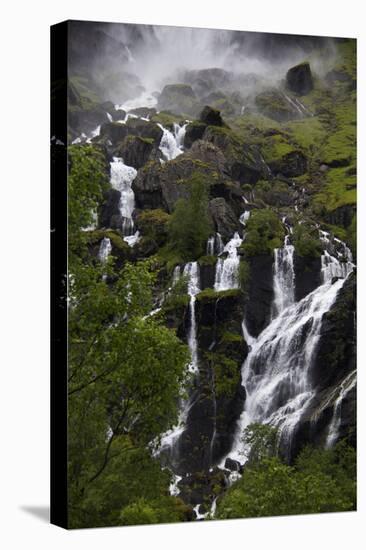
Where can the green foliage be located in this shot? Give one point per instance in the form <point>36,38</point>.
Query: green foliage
<point>126,371</point>
<point>177,295</point>
<point>86,182</point>
<point>207,260</point>
<point>264,233</point>
<point>226,374</point>
<point>210,294</point>
<point>163,510</point>
<point>154,224</point>
<point>320,481</point>
<point>306,241</point>
<point>190,224</point>
<point>261,440</point>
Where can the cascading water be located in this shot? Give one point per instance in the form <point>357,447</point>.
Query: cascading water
<point>104,249</point>
<point>227,270</point>
<point>122,177</point>
<point>276,372</point>
<point>171,144</point>
<point>283,277</point>
<point>214,245</point>
<point>191,270</point>
<point>345,387</point>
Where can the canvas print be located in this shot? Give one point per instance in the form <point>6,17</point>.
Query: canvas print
<point>211,274</point>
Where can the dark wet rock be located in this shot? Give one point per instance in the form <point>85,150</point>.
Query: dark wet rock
<point>135,151</point>
<point>194,131</point>
<point>260,293</point>
<point>207,266</point>
<point>205,80</point>
<point>273,104</point>
<point>161,185</point>
<point>109,214</point>
<point>144,129</point>
<point>336,354</point>
<point>299,79</point>
<point>226,223</point>
<point>341,216</point>
<point>233,465</point>
<point>118,131</point>
<point>114,131</point>
<point>146,112</point>
<point>307,275</point>
<point>179,98</point>
<point>208,153</point>
<point>211,117</point>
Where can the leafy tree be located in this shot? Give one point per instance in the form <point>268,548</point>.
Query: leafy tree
<point>306,241</point>
<point>264,232</point>
<point>261,441</point>
<point>190,224</point>
<point>126,371</point>
<point>320,481</point>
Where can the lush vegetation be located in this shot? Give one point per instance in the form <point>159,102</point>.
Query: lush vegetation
<point>264,233</point>
<point>126,372</point>
<point>190,225</point>
<point>319,481</point>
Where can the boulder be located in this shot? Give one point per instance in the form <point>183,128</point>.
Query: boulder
<point>274,104</point>
<point>179,98</point>
<point>194,131</point>
<point>226,223</point>
<point>109,213</point>
<point>118,131</point>
<point>307,275</point>
<point>146,112</point>
<point>260,293</point>
<point>135,151</point>
<point>299,79</point>
<point>233,465</point>
<point>211,117</point>
<point>336,356</point>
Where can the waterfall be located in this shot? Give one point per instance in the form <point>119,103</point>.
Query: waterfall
<point>171,144</point>
<point>104,249</point>
<point>122,177</point>
<point>131,240</point>
<point>244,217</point>
<point>214,246</point>
<point>276,371</point>
<point>210,248</point>
<point>191,270</point>
<point>283,278</point>
<point>346,386</point>
<point>227,270</point>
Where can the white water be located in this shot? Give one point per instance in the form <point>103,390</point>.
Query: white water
<point>104,249</point>
<point>346,386</point>
<point>122,177</point>
<point>283,278</point>
<point>244,217</point>
<point>214,245</point>
<point>227,270</point>
<point>275,373</point>
<point>171,144</point>
<point>191,270</point>
<point>131,240</point>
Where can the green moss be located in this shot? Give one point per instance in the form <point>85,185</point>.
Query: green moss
<point>308,133</point>
<point>339,190</point>
<point>306,241</point>
<point>276,147</point>
<point>88,97</point>
<point>209,294</point>
<point>115,238</point>
<point>226,374</point>
<point>166,119</point>
<point>207,260</point>
<point>264,233</point>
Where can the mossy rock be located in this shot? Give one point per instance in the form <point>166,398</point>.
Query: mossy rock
<point>154,223</point>
<point>264,233</point>
<point>210,294</point>
<point>207,261</point>
<point>179,98</point>
<point>273,104</point>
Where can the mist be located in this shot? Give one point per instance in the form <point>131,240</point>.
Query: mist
<point>126,59</point>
